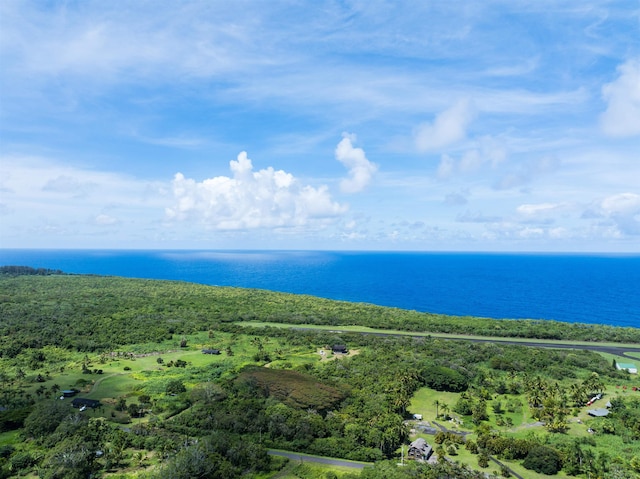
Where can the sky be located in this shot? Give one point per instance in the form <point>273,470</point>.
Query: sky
<point>501,125</point>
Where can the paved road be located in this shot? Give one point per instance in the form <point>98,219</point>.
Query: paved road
<point>615,350</point>
<point>598,347</point>
<point>296,456</point>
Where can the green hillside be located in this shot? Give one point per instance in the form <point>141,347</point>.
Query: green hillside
<point>163,408</point>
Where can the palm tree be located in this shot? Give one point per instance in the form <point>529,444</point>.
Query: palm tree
<point>593,383</point>
<point>436,403</point>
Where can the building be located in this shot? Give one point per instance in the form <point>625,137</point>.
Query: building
<point>80,402</point>
<point>420,450</point>
<point>628,366</point>
<point>67,393</point>
<point>601,412</point>
<point>339,349</point>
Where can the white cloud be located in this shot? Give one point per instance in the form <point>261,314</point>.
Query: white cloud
<point>449,127</point>
<point>46,199</point>
<point>361,170</point>
<point>540,208</point>
<point>623,203</point>
<point>622,211</point>
<point>251,199</point>
<point>622,116</point>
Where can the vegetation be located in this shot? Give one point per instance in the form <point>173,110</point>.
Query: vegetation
<point>168,410</point>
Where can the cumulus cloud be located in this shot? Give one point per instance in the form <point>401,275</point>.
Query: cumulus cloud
<point>622,116</point>
<point>622,211</point>
<point>449,127</point>
<point>361,170</point>
<point>251,199</point>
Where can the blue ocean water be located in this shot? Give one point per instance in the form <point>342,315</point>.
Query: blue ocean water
<point>598,288</point>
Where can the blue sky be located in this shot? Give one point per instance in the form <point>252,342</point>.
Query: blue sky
<point>384,125</point>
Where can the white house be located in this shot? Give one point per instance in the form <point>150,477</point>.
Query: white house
<point>628,366</point>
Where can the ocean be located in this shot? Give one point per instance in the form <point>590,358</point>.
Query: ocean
<point>595,288</point>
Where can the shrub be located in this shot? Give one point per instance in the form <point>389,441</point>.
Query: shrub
<point>20,461</point>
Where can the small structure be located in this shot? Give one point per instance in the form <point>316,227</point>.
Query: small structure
<point>67,393</point>
<point>84,402</point>
<point>420,450</point>
<point>210,351</point>
<point>339,349</point>
<point>600,412</point>
<point>627,366</point>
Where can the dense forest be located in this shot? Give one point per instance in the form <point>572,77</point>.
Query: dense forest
<point>90,313</point>
<point>163,408</point>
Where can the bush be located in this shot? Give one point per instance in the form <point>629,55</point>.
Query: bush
<point>6,450</point>
<point>20,461</point>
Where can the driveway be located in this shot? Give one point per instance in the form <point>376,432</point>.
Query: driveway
<point>297,456</point>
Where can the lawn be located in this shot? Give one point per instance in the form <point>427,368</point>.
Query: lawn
<point>423,402</point>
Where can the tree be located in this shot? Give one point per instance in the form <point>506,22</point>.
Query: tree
<point>593,383</point>
<point>73,458</point>
<point>479,412</point>
<point>134,410</point>
<point>175,387</point>
<point>45,418</point>
<point>445,410</point>
<point>121,405</point>
<point>543,459</point>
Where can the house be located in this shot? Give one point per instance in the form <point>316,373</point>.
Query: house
<point>420,450</point>
<point>628,366</point>
<point>210,351</point>
<point>339,349</point>
<point>80,402</point>
<point>601,412</point>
